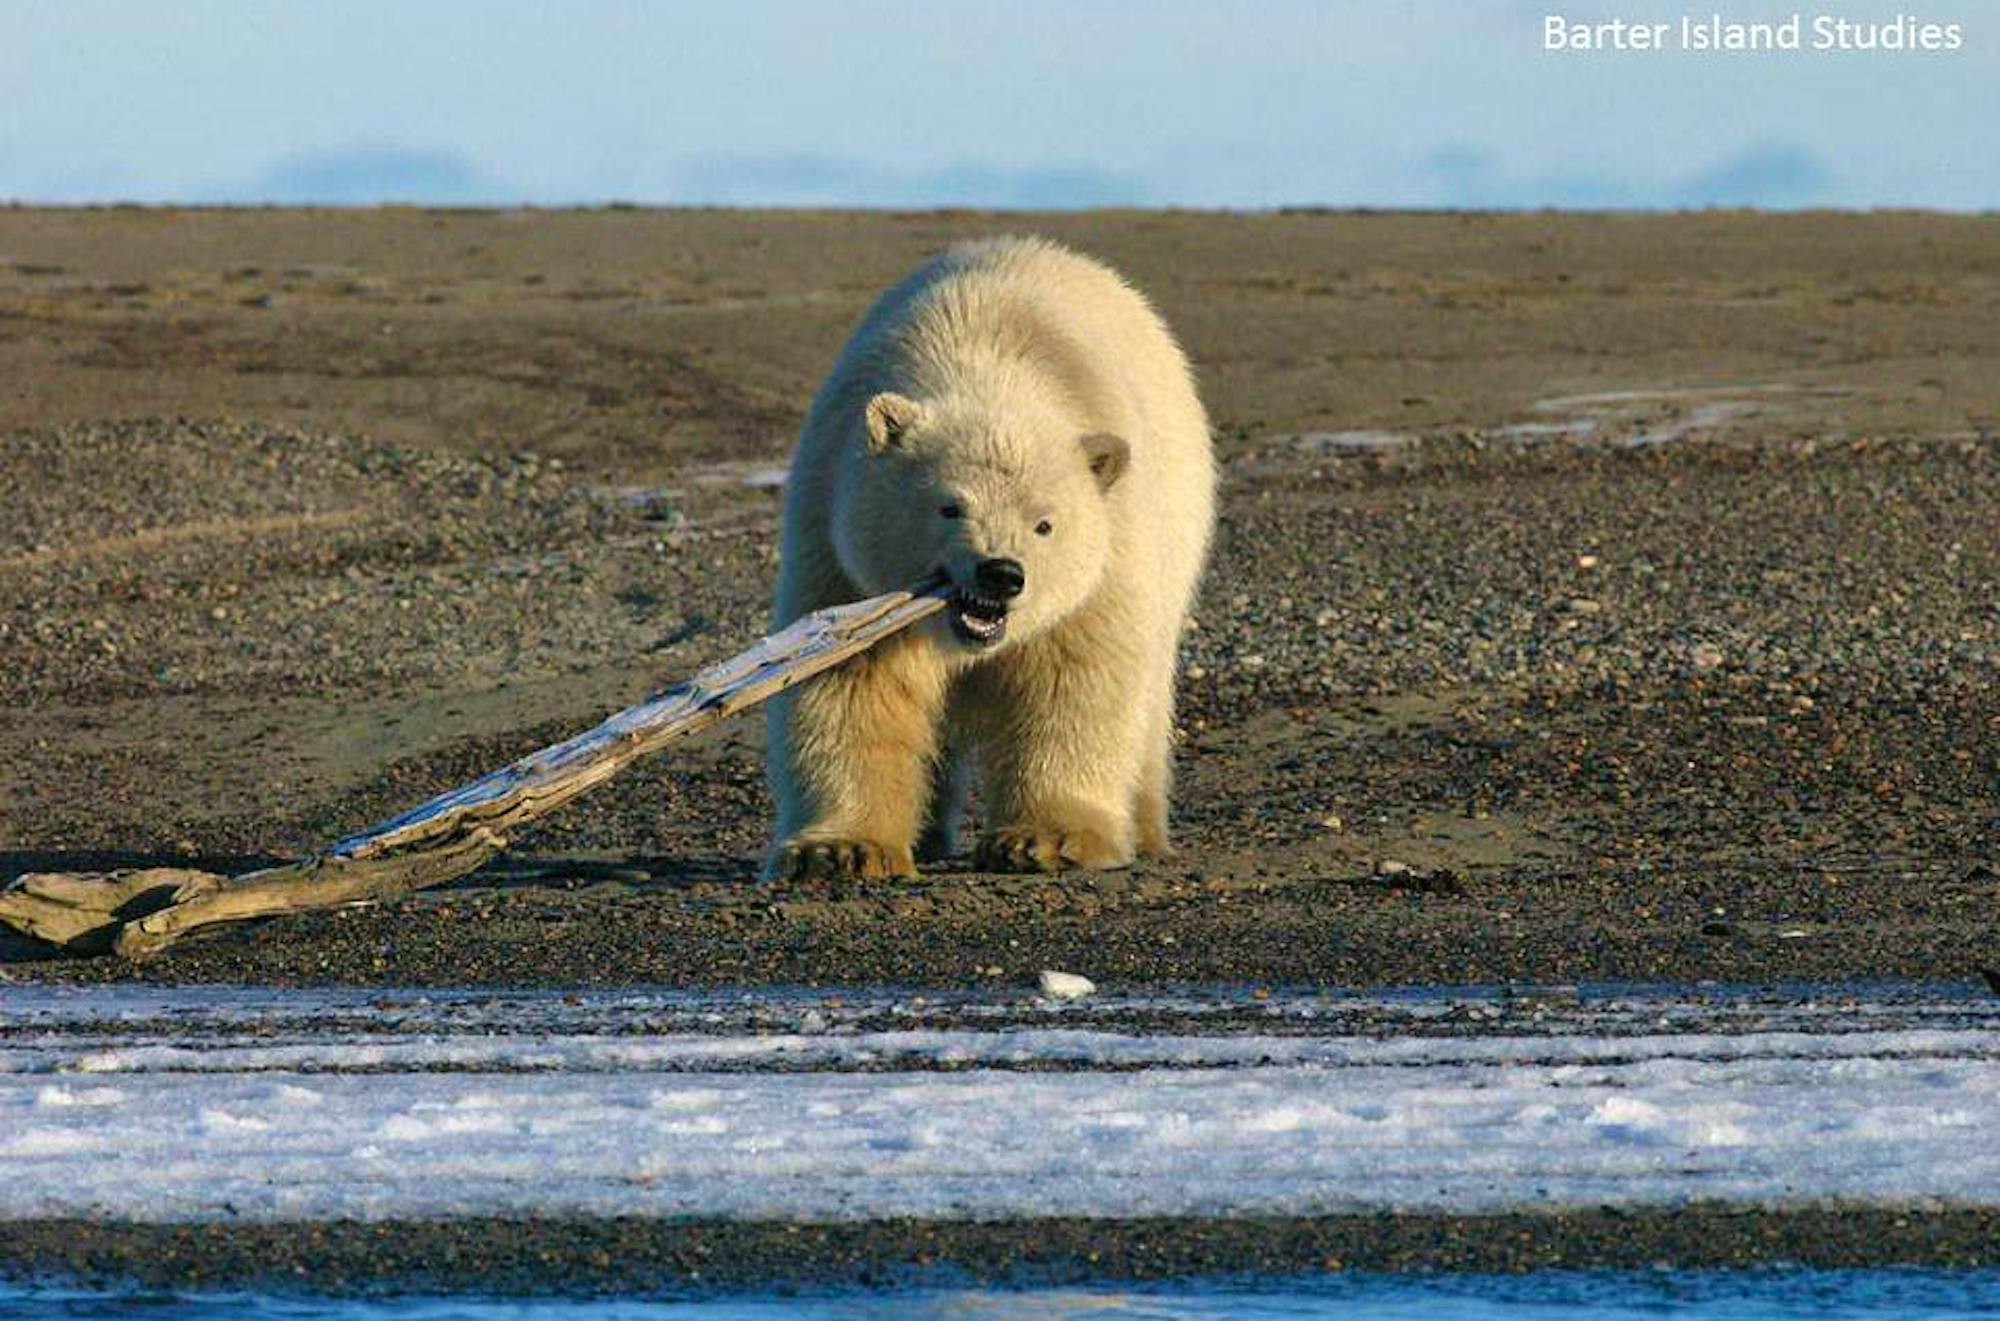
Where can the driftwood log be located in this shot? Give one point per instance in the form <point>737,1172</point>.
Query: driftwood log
<point>141,912</point>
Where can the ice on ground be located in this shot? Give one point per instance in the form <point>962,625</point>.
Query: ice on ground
<point>981,1143</point>
<point>819,1049</point>
<point>163,1106</point>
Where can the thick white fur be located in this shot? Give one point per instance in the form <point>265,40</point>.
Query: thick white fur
<point>988,368</point>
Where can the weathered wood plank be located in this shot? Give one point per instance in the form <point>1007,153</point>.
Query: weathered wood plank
<point>142,912</point>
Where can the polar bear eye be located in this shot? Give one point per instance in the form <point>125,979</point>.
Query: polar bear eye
<point>1043,528</point>
<point>952,511</point>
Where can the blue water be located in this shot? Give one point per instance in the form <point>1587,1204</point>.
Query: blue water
<point>1764,1295</point>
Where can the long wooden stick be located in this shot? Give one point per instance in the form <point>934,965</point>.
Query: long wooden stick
<point>141,912</point>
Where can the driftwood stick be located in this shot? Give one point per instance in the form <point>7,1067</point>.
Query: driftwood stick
<point>83,910</point>
<point>142,912</point>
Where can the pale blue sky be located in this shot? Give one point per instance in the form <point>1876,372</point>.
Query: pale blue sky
<point>1204,103</point>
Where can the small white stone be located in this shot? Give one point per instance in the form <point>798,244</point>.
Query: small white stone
<point>1065,985</point>
<point>1391,867</point>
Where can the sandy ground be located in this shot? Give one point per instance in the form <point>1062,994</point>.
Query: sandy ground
<point>1630,580</point>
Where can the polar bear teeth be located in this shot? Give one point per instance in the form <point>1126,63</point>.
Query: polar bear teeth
<point>978,618</point>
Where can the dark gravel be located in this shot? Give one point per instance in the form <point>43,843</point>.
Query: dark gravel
<point>676,1258</point>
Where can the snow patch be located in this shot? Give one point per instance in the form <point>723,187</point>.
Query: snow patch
<point>217,1113</point>
<point>63,1097</point>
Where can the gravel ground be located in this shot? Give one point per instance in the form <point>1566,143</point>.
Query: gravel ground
<point>1467,712</point>
<point>693,1258</point>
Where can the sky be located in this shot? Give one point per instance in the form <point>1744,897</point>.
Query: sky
<point>1027,103</point>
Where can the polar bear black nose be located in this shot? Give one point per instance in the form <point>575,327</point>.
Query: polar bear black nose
<point>1001,578</point>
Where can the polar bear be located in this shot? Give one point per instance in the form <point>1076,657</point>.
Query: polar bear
<point>1017,419</point>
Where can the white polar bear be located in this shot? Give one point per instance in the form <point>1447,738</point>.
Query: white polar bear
<point>1017,418</point>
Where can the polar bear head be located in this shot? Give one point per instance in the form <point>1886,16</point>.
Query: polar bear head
<point>1008,500</point>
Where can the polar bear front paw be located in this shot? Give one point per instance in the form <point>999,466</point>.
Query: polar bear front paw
<point>1049,847</point>
<point>809,856</point>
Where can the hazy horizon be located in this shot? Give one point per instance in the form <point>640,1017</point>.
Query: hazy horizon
<point>1396,105</point>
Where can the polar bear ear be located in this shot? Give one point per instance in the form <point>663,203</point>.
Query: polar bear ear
<point>1108,456</point>
<point>890,415</point>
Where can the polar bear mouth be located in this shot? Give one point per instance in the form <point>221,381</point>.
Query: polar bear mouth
<point>980,620</point>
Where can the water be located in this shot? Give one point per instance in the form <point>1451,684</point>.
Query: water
<point>1764,1295</point>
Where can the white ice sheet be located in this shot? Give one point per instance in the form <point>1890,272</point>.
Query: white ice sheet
<point>150,1122</point>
